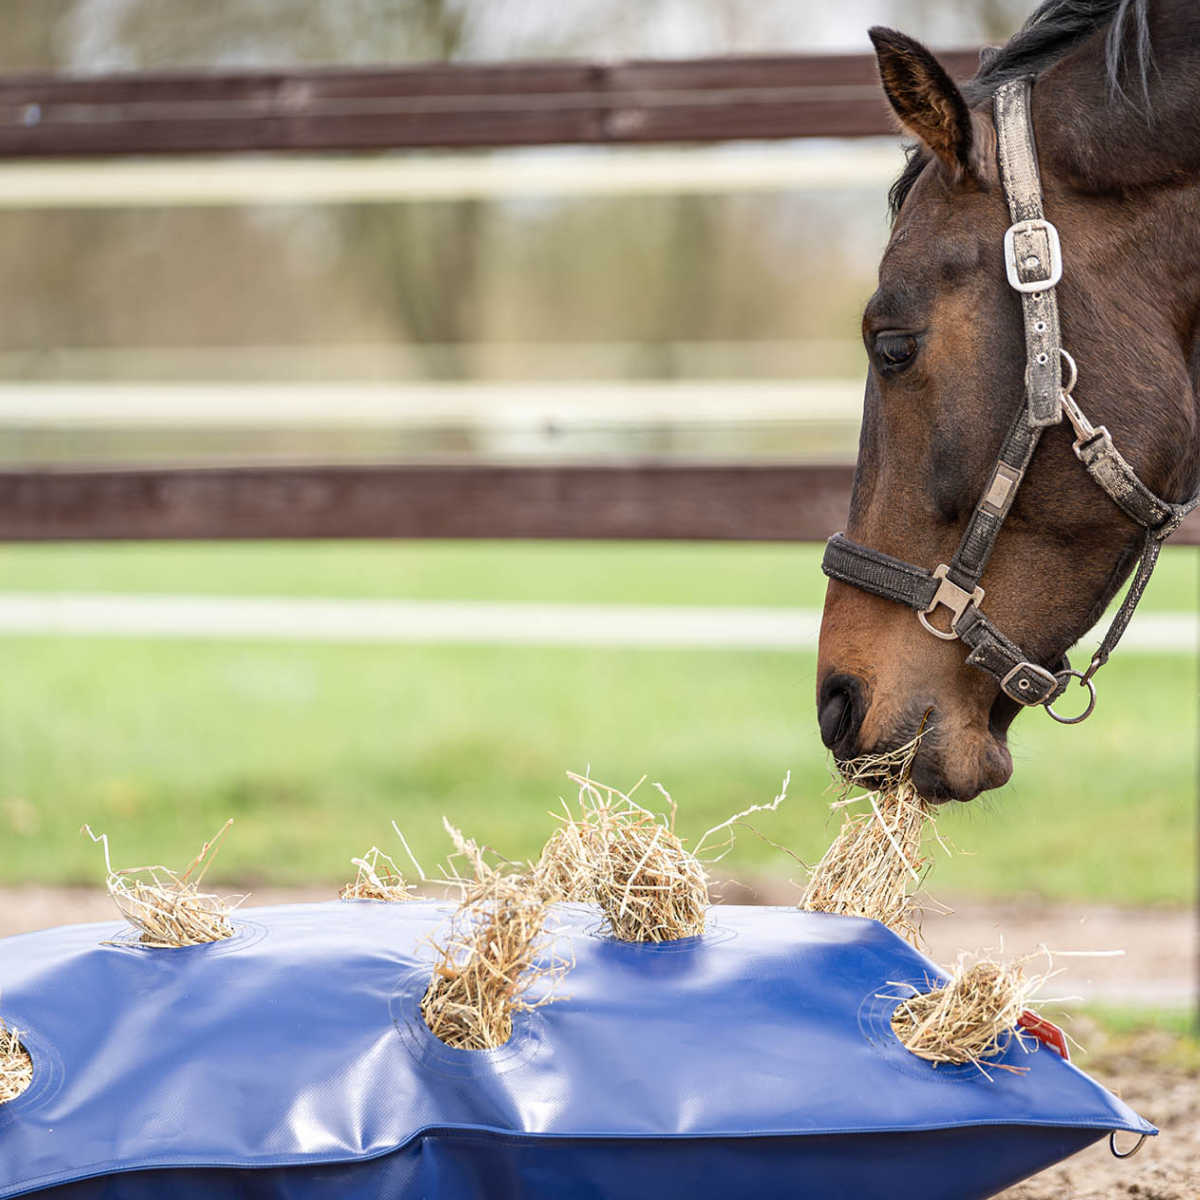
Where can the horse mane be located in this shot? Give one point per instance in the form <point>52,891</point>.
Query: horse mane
<point>1050,34</point>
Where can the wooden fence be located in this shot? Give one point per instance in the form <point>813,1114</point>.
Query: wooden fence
<point>516,104</point>
<point>519,104</point>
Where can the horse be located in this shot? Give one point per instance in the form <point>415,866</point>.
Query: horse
<point>1114,116</point>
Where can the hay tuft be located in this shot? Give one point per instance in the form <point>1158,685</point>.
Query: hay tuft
<point>168,909</point>
<point>648,885</point>
<point>378,878</point>
<point>16,1067</point>
<point>874,865</point>
<point>496,951</point>
<point>971,1019</point>
<point>564,870</point>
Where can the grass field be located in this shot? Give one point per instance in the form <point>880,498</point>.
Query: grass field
<point>314,748</point>
<point>547,572</point>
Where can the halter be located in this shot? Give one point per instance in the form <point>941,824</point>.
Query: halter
<point>1033,261</point>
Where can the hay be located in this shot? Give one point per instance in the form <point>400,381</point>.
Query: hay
<point>16,1067</point>
<point>874,865</point>
<point>378,878</point>
<point>631,862</point>
<point>564,868</point>
<point>495,952</point>
<point>971,1019</point>
<point>649,887</point>
<point>168,909</point>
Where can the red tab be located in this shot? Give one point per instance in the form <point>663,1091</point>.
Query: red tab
<point>1046,1032</point>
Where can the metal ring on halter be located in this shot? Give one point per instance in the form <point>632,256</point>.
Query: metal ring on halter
<point>1091,704</point>
<point>1070,387</point>
<point>1112,1145</point>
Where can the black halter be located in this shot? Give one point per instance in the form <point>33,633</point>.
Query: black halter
<point>1033,260</point>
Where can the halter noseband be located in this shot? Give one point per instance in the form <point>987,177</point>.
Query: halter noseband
<point>1033,261</point>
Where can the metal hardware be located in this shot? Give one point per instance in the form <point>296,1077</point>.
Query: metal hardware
<point>1086,682</point>
<point>1024,685</point>
<point>951,596</point>
<point>1005,481</point>
<point>1014,262</point>
<point>1112,1145</point>
<point>1069,386</point>
<point>1085,431</point>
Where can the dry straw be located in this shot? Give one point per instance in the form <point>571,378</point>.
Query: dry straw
<point>16,1067</point>
<point>168,909</point>
<point>630,861</point>
<point>874,865</point>
<point>378,878</point>
<point>495,952</point>
<point>972,1018</point>
<point>564,868</point>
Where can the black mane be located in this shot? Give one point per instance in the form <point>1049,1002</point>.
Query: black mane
<point>1052,32</point>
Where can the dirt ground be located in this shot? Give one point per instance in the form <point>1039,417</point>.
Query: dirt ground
<point>1160,1077</point>
<point>1156,1072</point>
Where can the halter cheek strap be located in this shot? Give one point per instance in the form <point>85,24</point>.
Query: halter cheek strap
<point>1033,262</point>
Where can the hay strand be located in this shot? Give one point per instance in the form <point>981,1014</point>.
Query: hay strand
<point>494,954</point>
<point>972,1018</point>
<point>16,1067</point>
<point>874,865</point>
<point>168,909</point>
<point>378,878</point>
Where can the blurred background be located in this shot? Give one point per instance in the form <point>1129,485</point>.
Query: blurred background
<point>508,305</point>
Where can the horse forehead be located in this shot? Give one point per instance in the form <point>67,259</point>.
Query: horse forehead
<point>937,241</point>
<point>944,226</point>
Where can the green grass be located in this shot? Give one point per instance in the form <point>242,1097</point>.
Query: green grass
<point>1146,1042</point>
<point>547,572</point>
<point>314,748</point>
<point>1125,1022</point>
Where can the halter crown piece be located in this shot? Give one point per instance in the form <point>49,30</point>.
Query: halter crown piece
<point>1033,261</point>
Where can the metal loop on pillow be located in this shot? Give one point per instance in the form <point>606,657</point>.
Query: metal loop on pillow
<point>1085,681</point>
<point>1112,1145</point>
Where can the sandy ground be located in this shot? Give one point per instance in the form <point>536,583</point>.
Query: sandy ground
<point>1149,1072</point>
<point>1152,1071</point>
<point>1157,968</point>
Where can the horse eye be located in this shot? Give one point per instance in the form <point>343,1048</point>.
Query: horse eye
<point>895,350</point>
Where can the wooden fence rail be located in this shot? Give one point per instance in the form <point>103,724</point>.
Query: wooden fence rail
<point>517,104</point>
<point>769,502</point>
<point>616,500</point>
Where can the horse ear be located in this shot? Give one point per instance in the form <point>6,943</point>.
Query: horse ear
<point>925,98</point>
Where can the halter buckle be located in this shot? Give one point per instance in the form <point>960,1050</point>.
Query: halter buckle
<point>1032,255</point>
<point>951,596</point>
<point>1021,684</point>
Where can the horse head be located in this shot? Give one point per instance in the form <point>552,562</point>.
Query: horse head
<point>1118,148</point>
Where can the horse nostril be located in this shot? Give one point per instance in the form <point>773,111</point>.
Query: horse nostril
<point>840,711</point>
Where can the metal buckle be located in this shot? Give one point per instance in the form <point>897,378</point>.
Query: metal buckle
<point>950,595</point>
<point>1047,677</point>
<point>1052,270</point>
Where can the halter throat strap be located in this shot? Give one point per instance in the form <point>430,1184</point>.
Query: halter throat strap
<point>1033,264</point>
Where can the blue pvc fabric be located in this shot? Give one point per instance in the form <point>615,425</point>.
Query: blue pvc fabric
<point>291,1063</point>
